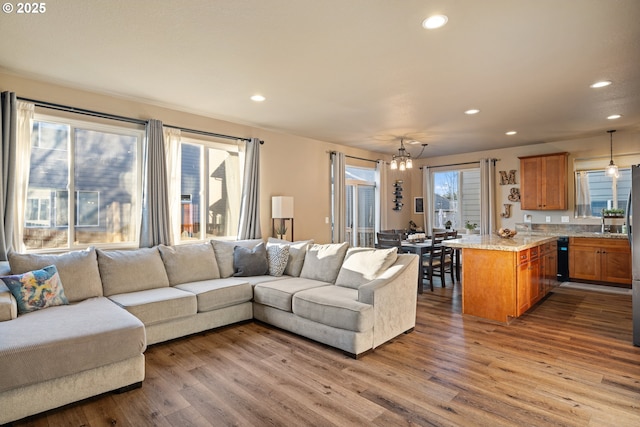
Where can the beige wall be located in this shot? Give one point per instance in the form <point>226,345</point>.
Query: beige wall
<point>624,142</point>
<point>299,167</point>
<point>290,165</point>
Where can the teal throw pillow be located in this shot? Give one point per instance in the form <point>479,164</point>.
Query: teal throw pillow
<point>35,290</point>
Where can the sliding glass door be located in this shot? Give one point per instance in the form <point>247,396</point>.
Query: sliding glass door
<point>360,207</point>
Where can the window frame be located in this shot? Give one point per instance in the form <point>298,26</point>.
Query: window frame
<point>98,125</point>
<point>204,145</point>
<point>458,213</point>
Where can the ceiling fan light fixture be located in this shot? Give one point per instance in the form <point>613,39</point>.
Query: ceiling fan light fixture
<point>434,21</point>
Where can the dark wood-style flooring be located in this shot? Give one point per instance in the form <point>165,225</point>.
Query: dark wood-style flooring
<point>567,362</point>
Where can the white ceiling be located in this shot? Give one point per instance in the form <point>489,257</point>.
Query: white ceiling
<point>354,72</point>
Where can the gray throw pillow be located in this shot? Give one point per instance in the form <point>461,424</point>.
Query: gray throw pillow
<point>224,253</point>
<point>250,262</point>
<point>322,262</point>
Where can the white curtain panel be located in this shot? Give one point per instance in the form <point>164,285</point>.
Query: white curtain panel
<point>382,195</point>
<point>427,196</point>
<point>487,196</point>
<point>233,167</point>
<point>25,112</point>
<point>173,155</point>
<point>583,195</point>
<point>338,192</point>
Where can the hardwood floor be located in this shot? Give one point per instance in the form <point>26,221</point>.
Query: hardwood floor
<point>567,362</point>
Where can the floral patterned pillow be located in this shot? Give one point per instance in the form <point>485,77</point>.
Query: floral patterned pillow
<point>36,289</point>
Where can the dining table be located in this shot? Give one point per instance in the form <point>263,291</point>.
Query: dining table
<point>424,247</point>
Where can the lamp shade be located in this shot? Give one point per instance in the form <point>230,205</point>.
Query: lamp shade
<point>282,207</point>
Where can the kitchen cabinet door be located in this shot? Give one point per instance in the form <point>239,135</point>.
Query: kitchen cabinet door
<point>584,262</point>
<point>615,265</point>
<point>543,182</point>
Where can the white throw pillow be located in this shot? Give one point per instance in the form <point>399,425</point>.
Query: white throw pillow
<point>362,265</point>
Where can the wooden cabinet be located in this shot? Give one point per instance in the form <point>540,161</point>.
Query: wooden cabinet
<point>605,260</point>
<point>529,279</point>
<point>501,285</point>
<point>549,267</point>
<point>543,182</point>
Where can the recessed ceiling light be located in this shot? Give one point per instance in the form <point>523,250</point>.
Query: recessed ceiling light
<point>258,98</point>
<point>472,111</point>
<point>434,21</point>
<point>511,132</point>
<point>603,83</point>
<point>614,116</point>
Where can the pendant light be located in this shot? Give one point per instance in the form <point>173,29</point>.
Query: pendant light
<point>612,169</point>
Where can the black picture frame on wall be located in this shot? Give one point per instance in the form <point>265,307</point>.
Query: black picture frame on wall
<point>418,205</point>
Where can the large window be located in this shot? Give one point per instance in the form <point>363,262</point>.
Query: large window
<point>210,187</point>
<point>360,206</point>
<point>456,198</point>
<point>99,167</point>
<point>596,191</point>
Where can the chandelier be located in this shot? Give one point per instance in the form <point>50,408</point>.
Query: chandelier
<point>402,160</point>
<point>612,169</point>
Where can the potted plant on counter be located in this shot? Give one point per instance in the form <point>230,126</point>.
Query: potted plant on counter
<point>470,226</point>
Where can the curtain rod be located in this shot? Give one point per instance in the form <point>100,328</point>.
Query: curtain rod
<point>354,157</point>
<point>98,114</point>
<point>457,164</point>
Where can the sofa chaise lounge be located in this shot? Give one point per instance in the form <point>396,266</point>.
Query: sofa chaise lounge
<point>120,301</point>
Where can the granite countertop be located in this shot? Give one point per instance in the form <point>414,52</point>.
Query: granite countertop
<point>575,234</point>
<point>493,242</point>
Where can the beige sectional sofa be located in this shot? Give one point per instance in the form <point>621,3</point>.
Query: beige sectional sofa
<point>120,301</point>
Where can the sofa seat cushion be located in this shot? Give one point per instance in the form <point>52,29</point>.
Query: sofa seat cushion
<point>279,293</point>
<point>66,339</point>
<point>334,306</point>
<point>255,280</point>
<point>158,305</point>
<point>218,293</point>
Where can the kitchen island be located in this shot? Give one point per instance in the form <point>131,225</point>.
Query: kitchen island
<point>503,278</point>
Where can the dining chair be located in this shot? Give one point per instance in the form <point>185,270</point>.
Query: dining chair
<point>438,260</point>
<point>389,240</point>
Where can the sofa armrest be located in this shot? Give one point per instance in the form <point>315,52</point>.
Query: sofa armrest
<point>394,296</point>
<point>8,305</point>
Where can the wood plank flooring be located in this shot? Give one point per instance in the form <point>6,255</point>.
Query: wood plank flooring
<point>567,362</point>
